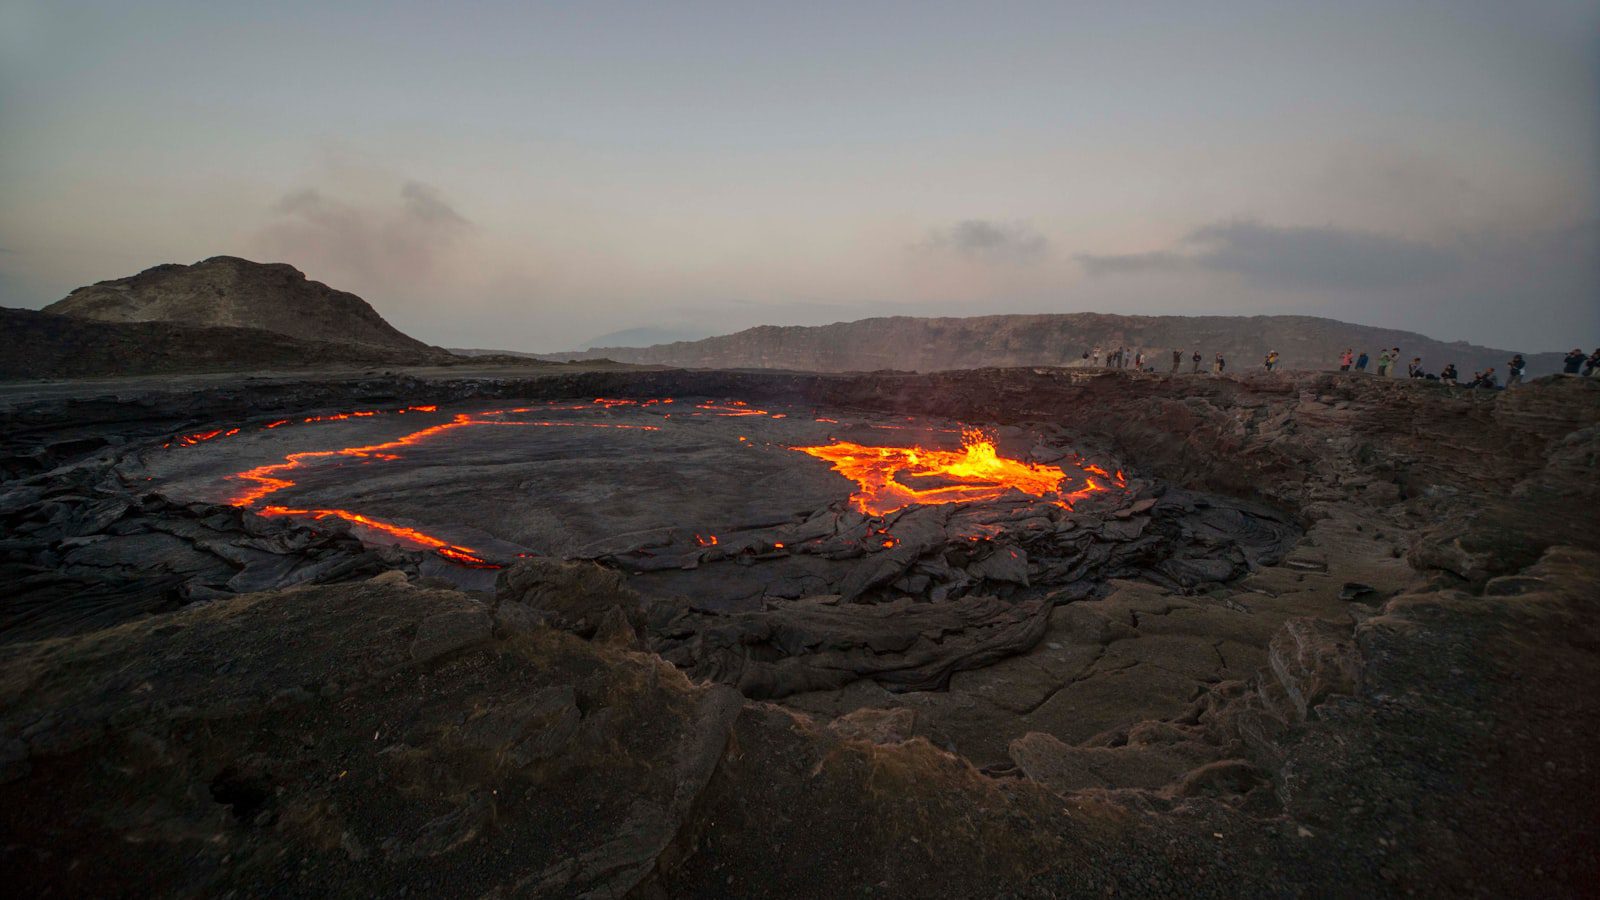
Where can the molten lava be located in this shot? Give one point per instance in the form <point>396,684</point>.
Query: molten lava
<point>892,478</point>
<point>270,479</point>
<point>888,478</point>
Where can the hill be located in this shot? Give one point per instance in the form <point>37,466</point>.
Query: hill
<point>45,345</point>
<point>934,344</point>
<point>237,293</point>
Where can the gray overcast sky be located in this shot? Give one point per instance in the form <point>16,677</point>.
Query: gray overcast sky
<point>529,175</point>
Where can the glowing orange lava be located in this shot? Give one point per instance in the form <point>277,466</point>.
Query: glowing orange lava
<point>270,479</point>
<point>888,477</point>
<point>733,408</point>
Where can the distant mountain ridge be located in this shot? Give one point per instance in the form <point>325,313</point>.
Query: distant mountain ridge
<point>934,344</point>
<point>647,336</point>
<point>238,293</point>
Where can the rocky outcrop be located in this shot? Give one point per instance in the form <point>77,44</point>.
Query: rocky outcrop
<point>298,743</point>
<point>938,344</point>
<point>237,293</point>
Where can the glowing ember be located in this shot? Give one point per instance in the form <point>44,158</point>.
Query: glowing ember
<point>892,478</point>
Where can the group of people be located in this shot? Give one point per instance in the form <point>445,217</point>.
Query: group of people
<point>1575,363</point>
<point>1138,360</point>
<point>1576,360</point>
<point>1388,365</point>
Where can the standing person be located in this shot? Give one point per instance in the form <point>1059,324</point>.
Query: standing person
<point>1361,362</point>
<point>1345,359</point>
<point>1097,356</point>
<point>1414,368</point>
<point>1177,360</point>
<point>1197,359</point>
<point>1569,366</point>
<point>1448,374</point>
<point>1592,364</point>
<point>1138,361</point>
<point>1219,365</point>
<point>1514,370</point>
<point>1270,361</point>
<point>1383,363</point>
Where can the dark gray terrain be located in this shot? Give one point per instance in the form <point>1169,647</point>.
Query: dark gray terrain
<point>1324,640</point>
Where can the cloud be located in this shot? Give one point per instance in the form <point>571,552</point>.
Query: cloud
<point>988,241</point>
<point>370,244</point>
<point>1133,263</point>
<point>425,205</point>
<point>1292,257</point>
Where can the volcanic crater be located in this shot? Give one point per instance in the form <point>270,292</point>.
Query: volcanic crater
<point>784,549</point>
<point>397,625</point>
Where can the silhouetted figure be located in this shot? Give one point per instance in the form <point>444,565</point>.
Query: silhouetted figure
<point>1270,361</point>
<point>1345,360</point>
<point>1592,364</point>
<point>1448,375</point>
<point>1414,368</point>
<point>1197,359</point>
<point>1097,357</point>
<point>1514,370</point>
<point>1177,359</point>
<point>1361,363</point>
<point>1384,362</point>
<point>1487,380</point>
<point>1219,365</point>
<point>1569,366</point>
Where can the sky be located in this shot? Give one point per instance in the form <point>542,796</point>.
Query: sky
<point>528,176</point>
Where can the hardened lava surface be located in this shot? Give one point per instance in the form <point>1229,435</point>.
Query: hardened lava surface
<point>781,549</point>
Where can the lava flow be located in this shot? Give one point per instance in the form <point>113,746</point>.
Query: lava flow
<point>888,477</point>
<point>270,479</point>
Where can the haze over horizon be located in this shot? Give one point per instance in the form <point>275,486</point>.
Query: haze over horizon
<point>530,176</point>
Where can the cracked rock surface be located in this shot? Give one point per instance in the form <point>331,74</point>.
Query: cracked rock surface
<point>1392,705</point>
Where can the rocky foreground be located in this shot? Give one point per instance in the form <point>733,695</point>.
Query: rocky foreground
<point>1397,706</point>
